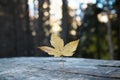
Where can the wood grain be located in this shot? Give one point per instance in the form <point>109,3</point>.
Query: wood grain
<point>49,68</point>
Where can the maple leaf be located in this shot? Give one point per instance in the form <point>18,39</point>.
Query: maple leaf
<point>58,47</point>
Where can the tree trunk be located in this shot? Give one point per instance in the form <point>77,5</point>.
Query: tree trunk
<point>15,34</point>
<point>23,33</point>
<point>7,28</point>
<point>109,32</point>
<point>64,33</point>
<point>117,6</point>
<point>40,28</point>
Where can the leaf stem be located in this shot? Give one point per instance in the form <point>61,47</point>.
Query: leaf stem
<point>63,62</point>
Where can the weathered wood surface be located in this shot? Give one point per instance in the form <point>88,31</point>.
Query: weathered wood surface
<point>52,69</point>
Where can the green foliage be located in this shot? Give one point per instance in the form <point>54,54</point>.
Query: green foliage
<point>94,36</point>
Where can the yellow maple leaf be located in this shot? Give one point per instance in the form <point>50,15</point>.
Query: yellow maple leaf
<point>58,47</point>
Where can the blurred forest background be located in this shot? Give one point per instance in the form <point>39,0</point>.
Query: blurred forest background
<point>27,24</point>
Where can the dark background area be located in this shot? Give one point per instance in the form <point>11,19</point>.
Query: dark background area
<point>21,33</point>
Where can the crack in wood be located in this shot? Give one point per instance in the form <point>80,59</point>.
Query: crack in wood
<point>93,75</point>
<point>108,66</point>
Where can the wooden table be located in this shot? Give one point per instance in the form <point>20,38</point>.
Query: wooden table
<point>49,68</point>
